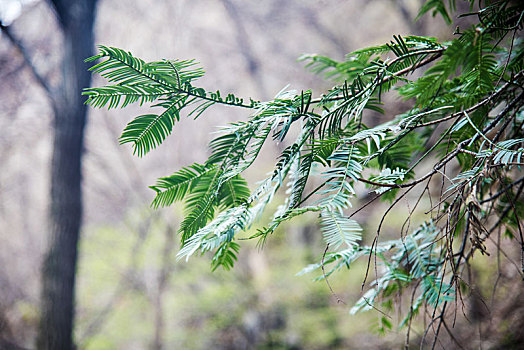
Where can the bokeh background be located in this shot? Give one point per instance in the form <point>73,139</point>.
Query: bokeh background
<point>132,293</point>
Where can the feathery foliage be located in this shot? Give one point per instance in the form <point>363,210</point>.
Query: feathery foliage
<point>467,110</point>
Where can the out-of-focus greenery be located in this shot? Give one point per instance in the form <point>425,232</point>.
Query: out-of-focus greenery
<point>261,302</point>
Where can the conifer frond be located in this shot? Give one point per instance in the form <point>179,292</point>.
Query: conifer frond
<point>300,179</point>
<point>502,152</point>
<point>436,7</point>
<point>147,131</point>
<point>200,204</point>
<point>225,256</point>
<point>280,217</point>
<point>345,170</point>
<point>338,230</point>
<point>233,192</point>
<point>219,231</point>
<point>388,177</point>
<point>169,81</point>
<point>177,186</point>
<point>467,110</point>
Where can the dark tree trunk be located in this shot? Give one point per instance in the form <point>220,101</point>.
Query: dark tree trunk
<point>76,18</point>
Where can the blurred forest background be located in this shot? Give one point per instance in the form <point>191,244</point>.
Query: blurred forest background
<point>131,292</point>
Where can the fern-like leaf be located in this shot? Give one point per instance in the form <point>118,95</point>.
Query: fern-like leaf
<point>338,229</point>
<point>225,256</point>
<point>233,193</point>
<point>177,186</point>
<point>148,131</point>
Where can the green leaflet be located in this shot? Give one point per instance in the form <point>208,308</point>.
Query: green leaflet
<point>462,130</point>
<point>177,186</point>
<point>167,81</point>
<point>338,230</point>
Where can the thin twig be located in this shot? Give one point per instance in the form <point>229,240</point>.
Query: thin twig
<point>501,192</point>
<point>326,279</point>
<point>511,201</point>
<point>28,60</point>
<point>437,53</point>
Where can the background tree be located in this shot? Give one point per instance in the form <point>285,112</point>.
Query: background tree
<point>472,94</point>
<point>76,20</point>
<point>57,314</point>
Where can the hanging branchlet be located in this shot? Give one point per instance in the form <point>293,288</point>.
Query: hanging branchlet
<point>470,89</point>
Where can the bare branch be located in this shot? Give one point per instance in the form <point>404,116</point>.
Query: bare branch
<point>28,60</point>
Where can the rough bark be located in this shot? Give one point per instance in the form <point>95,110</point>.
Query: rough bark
<point>76,18</point>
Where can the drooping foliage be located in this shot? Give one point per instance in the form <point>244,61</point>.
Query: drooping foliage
<point>466,120</point>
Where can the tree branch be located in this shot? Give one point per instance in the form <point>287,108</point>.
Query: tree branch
<point>252,61</point>
<point>436,54</point>
<point>28,61</point>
